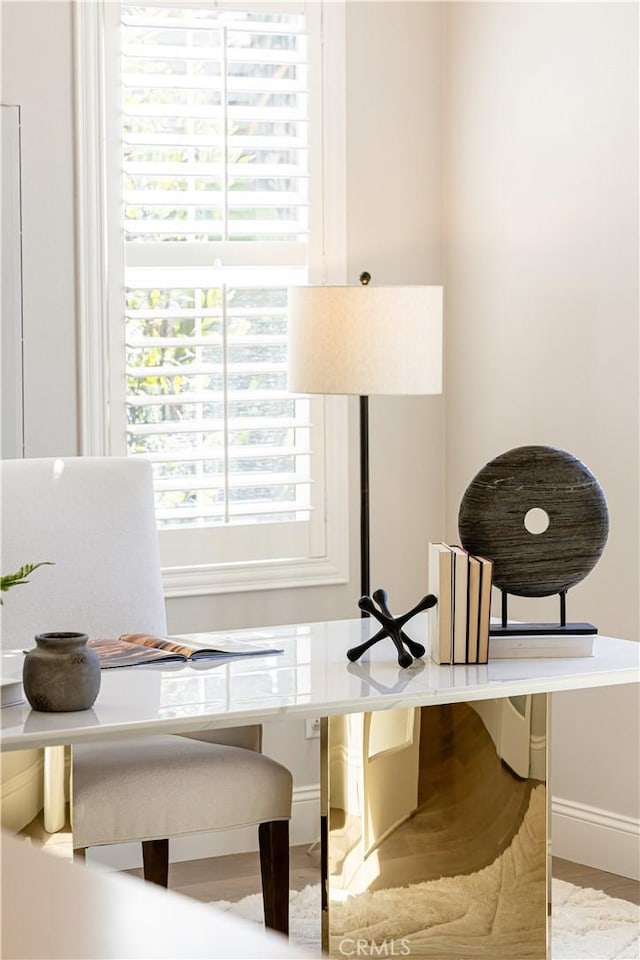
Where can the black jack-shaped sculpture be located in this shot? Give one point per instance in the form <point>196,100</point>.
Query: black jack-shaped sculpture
<point>392,627</point>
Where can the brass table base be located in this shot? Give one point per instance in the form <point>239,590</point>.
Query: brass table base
<point>435,830</point>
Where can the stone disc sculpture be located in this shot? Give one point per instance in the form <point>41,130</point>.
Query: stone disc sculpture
<point>526,484</point>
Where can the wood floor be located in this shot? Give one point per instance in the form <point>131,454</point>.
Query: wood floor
<point>238,876</point>
<point>614,886</point>
<point>235,877</point>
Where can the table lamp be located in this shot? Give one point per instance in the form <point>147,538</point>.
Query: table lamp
<point>365,340</point>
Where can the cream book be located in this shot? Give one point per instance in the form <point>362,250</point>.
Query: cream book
<point>439,617</point>
<point>460,598</point>
<point>484,612</point>
<point>11,691</point>
<point>473,609</point>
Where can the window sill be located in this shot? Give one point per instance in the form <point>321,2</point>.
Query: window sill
<point>250,577</point>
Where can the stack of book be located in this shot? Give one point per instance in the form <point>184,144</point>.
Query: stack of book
<point>11,691</point>
<point>459,622</point>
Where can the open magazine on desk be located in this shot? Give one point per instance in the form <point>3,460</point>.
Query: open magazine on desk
<point>130,649</point>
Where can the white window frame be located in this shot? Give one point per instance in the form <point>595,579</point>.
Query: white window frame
<point>99,295</point>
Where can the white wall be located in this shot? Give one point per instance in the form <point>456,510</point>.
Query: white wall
<point>541,281</point>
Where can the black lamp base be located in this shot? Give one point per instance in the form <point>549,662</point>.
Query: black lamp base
<point>542,630</point>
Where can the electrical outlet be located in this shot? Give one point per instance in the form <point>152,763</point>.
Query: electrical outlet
<point>312,728</point>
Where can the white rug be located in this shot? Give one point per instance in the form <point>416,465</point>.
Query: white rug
<point>304,914</point>
<point>589,924</point>
<point>586,924</point>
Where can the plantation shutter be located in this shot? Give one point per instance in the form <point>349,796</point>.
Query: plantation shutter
<point>214,107</point>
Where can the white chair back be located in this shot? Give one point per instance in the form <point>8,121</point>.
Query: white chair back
<point>93,517</point>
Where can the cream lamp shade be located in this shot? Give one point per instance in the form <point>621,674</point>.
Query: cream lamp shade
<point>365,340</point>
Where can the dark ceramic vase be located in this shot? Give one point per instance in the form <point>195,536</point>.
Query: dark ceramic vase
<point>62,673</point>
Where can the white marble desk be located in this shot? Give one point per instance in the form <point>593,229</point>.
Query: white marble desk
<point>311,678</point>
<point>391,737</point>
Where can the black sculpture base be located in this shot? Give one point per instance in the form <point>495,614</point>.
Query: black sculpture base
<point>562,628</point>
<point>518,629</point>
<point>392,627</point>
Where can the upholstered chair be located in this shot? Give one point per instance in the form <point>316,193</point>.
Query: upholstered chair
<point>94,518</point>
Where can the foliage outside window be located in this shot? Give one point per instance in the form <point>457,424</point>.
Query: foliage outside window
<point>215,155</point>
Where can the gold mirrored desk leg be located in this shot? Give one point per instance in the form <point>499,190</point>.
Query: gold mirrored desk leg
<point>435,831</point>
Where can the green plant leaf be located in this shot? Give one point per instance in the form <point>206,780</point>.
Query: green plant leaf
<point>20,576</point>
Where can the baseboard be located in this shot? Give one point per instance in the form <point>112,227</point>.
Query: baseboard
<point>304,828</point>
<point>598,838</point>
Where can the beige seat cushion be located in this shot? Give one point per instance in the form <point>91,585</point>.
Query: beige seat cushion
<point>168,786</point>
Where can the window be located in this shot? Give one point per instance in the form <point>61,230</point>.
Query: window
<point>210,205</point>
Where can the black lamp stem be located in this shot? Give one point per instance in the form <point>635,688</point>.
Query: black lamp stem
<point>364,500</point>
<point>365,585</point>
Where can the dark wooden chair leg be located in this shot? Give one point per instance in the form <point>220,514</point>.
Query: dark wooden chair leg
<point>155,860</point>
<point>79,854</point>
<point>273,838</point>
